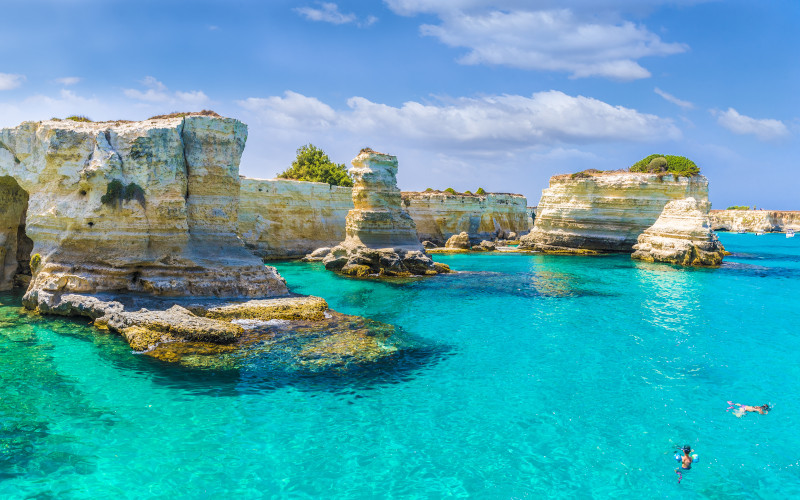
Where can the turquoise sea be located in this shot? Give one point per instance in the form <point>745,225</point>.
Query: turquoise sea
<point>532,377</point>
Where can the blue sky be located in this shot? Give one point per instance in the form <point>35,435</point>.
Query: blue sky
<point>498,94</point>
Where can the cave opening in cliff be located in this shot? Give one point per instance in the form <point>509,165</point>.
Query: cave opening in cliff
<point>15,245</point>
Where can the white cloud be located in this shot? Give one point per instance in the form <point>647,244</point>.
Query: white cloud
<point>329,13</point>
<point>485,123</point>
<point>764,128</point>
<point>157,93</point>
<point>9,81</point>
<point>293,111</point>
<point>68,80</point>
<point>570,36</point>
<point>674,100</point>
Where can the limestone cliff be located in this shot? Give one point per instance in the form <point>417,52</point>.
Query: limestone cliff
<point>682,235</point>
<point>604,211</point>
<point>146,206</point>
<point>755,220</point>
<point>380,237</point>
<point>281,218</point>
<point>440,215</point>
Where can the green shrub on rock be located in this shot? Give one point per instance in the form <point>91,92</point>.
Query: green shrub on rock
<point>312,164</point>
<point>680,166</point>
<point>738,207</point>
<point>450,190</point>
<point>78,118</point>
<point>36,261</point>
<point>480,191</point>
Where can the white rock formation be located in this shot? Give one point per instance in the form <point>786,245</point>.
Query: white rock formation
<point>281,218</point>
<point>755,220</point>
<point>440,215</point>
<point>381,237</point>
<point>604,211</point>
<point>146,206</point>
<point>682,235</point>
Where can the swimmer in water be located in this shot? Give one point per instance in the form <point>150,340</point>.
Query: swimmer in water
<point>686,459</point>
<point>742,409</point>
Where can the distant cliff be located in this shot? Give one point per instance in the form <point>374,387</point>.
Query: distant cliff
<point>281,218</point>
<point>605,211</point>
<point>755,220</point>
<point>440,215</point>
<point>147,206</point>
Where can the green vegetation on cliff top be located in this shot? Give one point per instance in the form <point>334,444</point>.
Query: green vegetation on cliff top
<point>738,207</point>
<point>312,164</point>
<point>671,164</point>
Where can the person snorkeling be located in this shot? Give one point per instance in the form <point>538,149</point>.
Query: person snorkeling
<point>742,409</point>
<point>686,459</point>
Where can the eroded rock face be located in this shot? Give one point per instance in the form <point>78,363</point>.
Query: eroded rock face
<point>281,218</point>
<point>146,206</point>
<point>682,235</point>
<point>606,211</point>
<point>381,238</point>
<point>755,220</point>
<point>439,216</point>
<point>458,241</point>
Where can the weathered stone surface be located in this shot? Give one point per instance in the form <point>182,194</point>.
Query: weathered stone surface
<point>604,211</point>
<point>280,218</point>
<point>681,235</point>
<point>755,220</point>
<point>440,215</point>
<point>458,241</point>
<point>381,237</point>
<point>170,227</point>
<point>288,308</point>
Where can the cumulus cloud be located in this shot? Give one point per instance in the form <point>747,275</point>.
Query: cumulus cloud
<point>674,100</point>
<point>68,80</point>
<point>158,93</point>
<point>542,35</point>
<point>9,81</point>
<point>764,129</point>
<point>490,122</point>
<point>329,13</point>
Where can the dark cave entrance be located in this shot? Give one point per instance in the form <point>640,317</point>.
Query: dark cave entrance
<point>15,246</point>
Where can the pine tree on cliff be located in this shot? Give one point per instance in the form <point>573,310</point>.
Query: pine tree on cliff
<point>312,164</point>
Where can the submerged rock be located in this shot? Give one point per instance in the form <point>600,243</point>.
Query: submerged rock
<point>682,235</point>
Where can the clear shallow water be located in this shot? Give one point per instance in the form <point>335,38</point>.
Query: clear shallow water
<point>538,376</point>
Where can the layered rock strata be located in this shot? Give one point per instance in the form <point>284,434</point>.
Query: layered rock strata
<point>682,235</point>
<point>755,220</point>
<point>281,218</point>
<point>440,215</point>
<point>604,211</point>
<point>146,206</point>
<point>381,237</point>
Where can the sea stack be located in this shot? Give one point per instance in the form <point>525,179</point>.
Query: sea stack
<point>381,238</point>
<point>682,235</point>
<point>598,212</point>
<point>148,207</point>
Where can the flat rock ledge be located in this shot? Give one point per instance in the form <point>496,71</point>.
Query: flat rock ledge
<point>362,261</point>
<point>207,332</point>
